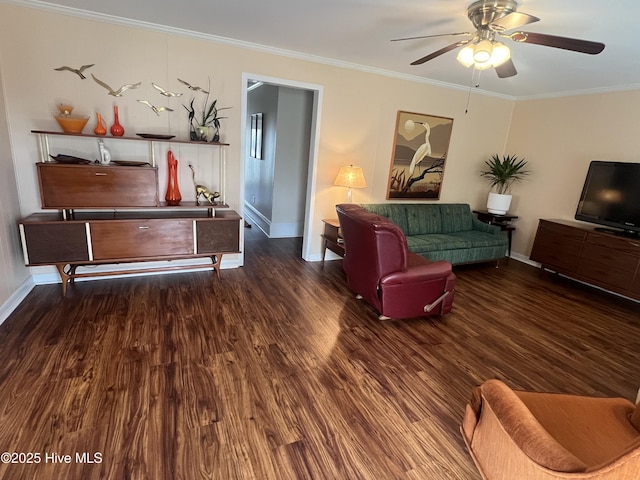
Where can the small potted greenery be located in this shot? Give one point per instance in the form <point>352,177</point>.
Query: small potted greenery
<point>502,173</point>
<point>201,124</point>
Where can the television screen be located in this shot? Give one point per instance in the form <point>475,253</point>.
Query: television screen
<point>611,195</point>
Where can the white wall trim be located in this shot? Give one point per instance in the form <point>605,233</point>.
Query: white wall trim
<point>256,218</point>
<point>524,259</point>
<point>314,147</point>
<point>16,299</point>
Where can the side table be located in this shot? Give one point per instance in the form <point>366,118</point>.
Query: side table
<point>502,221</point>
<point>332,238</point>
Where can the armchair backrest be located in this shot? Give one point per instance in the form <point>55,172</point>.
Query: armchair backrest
<point>374,248</point>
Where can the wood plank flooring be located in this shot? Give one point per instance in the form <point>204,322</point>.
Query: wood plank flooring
<point>278,372</point>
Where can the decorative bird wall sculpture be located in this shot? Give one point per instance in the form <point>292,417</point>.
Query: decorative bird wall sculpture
<point>157,110</point>
<point>191,87</point>
<point>119,91</point>
<point>164,92</point>
<point>77,71</point>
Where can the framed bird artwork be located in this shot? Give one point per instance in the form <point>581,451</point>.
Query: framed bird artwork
<point>419,154</point>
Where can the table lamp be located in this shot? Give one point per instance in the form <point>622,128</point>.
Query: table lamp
<point>351,177</point>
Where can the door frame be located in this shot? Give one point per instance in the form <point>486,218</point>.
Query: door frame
<point>314,148</point>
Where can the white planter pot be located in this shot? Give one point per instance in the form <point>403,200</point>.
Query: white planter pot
<point>498,203</point>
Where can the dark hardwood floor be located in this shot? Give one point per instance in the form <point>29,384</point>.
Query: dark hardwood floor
<point>278,372</point>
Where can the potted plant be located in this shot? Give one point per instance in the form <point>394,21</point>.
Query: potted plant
<point>199,125</point>
<point>502,173</point>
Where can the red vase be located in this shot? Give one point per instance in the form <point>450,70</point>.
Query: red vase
<point>117,130</point>
<point>172,196</point>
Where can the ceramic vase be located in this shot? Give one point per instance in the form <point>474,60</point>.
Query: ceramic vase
<point>101,126</point>
<point>117,130</point>
<point>498,203</point>
<point>172,196</point>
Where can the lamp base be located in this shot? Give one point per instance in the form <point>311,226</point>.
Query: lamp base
<point>349,196</point>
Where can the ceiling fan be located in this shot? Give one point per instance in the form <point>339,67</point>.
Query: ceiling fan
<point>493,19</point>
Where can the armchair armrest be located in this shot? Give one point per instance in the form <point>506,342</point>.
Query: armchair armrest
<point>418,273</point>
<point>522,428</point>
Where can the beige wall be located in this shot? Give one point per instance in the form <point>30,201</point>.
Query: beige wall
<point>12,266</point>
<point>559,137</point>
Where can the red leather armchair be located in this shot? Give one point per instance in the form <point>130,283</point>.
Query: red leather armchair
<point>383,272</point>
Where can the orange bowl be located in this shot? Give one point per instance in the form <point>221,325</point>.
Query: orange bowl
<point>72,123</point>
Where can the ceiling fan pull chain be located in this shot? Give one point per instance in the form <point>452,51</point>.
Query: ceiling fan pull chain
<point>475,82</point>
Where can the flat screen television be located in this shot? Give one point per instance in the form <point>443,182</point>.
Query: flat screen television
<point>611,196</point>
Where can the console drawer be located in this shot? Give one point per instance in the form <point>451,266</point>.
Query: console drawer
<point>130,239</point>
<point>97,186</point>
<point>557,246</point>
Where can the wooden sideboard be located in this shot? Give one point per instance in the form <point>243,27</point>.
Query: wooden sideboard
<point>599,258</point>
<point>112,214</point>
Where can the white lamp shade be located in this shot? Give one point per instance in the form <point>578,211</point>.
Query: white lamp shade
<point>351,177</point>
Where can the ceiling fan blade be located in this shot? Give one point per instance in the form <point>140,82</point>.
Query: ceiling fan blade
<point>437,53</point>
<point>513,20</point>
<point>573,44</point>
<point>431,36</point>
<point>506,70</point>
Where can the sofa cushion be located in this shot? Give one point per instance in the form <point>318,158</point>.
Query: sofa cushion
<point>423,219</point>
<point>456,217</point>
<point>593,429</point>
<point>453,241</point>
<point>395,213</point>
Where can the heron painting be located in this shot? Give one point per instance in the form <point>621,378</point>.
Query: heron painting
<point>419,154</point>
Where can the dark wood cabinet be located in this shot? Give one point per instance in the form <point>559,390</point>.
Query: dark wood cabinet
<point>64,186</point>
<point>599,258</point>
<point>140,238</point>
<point>112,214</point>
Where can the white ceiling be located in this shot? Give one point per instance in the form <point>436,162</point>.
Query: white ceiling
<point>358,32</point>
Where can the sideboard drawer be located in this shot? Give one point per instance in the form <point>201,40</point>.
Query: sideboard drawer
<point>128,239</point>
<point>97,186</point>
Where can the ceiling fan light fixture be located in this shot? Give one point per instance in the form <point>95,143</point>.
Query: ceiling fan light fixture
<point>465,56</point>
<point>500,54</point>
<point>482,52</point>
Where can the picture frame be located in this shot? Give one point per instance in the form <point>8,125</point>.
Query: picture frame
<point>256,136</point>
<point>420,149</point>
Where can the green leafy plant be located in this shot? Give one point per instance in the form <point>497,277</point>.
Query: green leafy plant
<point>502,172</point>
<point>208,117</point>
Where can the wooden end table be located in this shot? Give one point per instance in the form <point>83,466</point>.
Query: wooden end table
<point>502,221</point>
<point>332,237</point>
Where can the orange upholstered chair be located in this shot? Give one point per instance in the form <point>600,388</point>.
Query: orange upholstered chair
<point>516,435</point>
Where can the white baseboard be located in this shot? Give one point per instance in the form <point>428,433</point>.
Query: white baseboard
<point>272,229</point>
<point>521,258</point>
<point>16,299</point>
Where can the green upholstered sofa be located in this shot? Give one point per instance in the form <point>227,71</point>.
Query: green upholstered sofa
<point>444,231</point>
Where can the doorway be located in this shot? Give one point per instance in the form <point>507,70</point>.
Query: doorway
<point>267,188</point>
